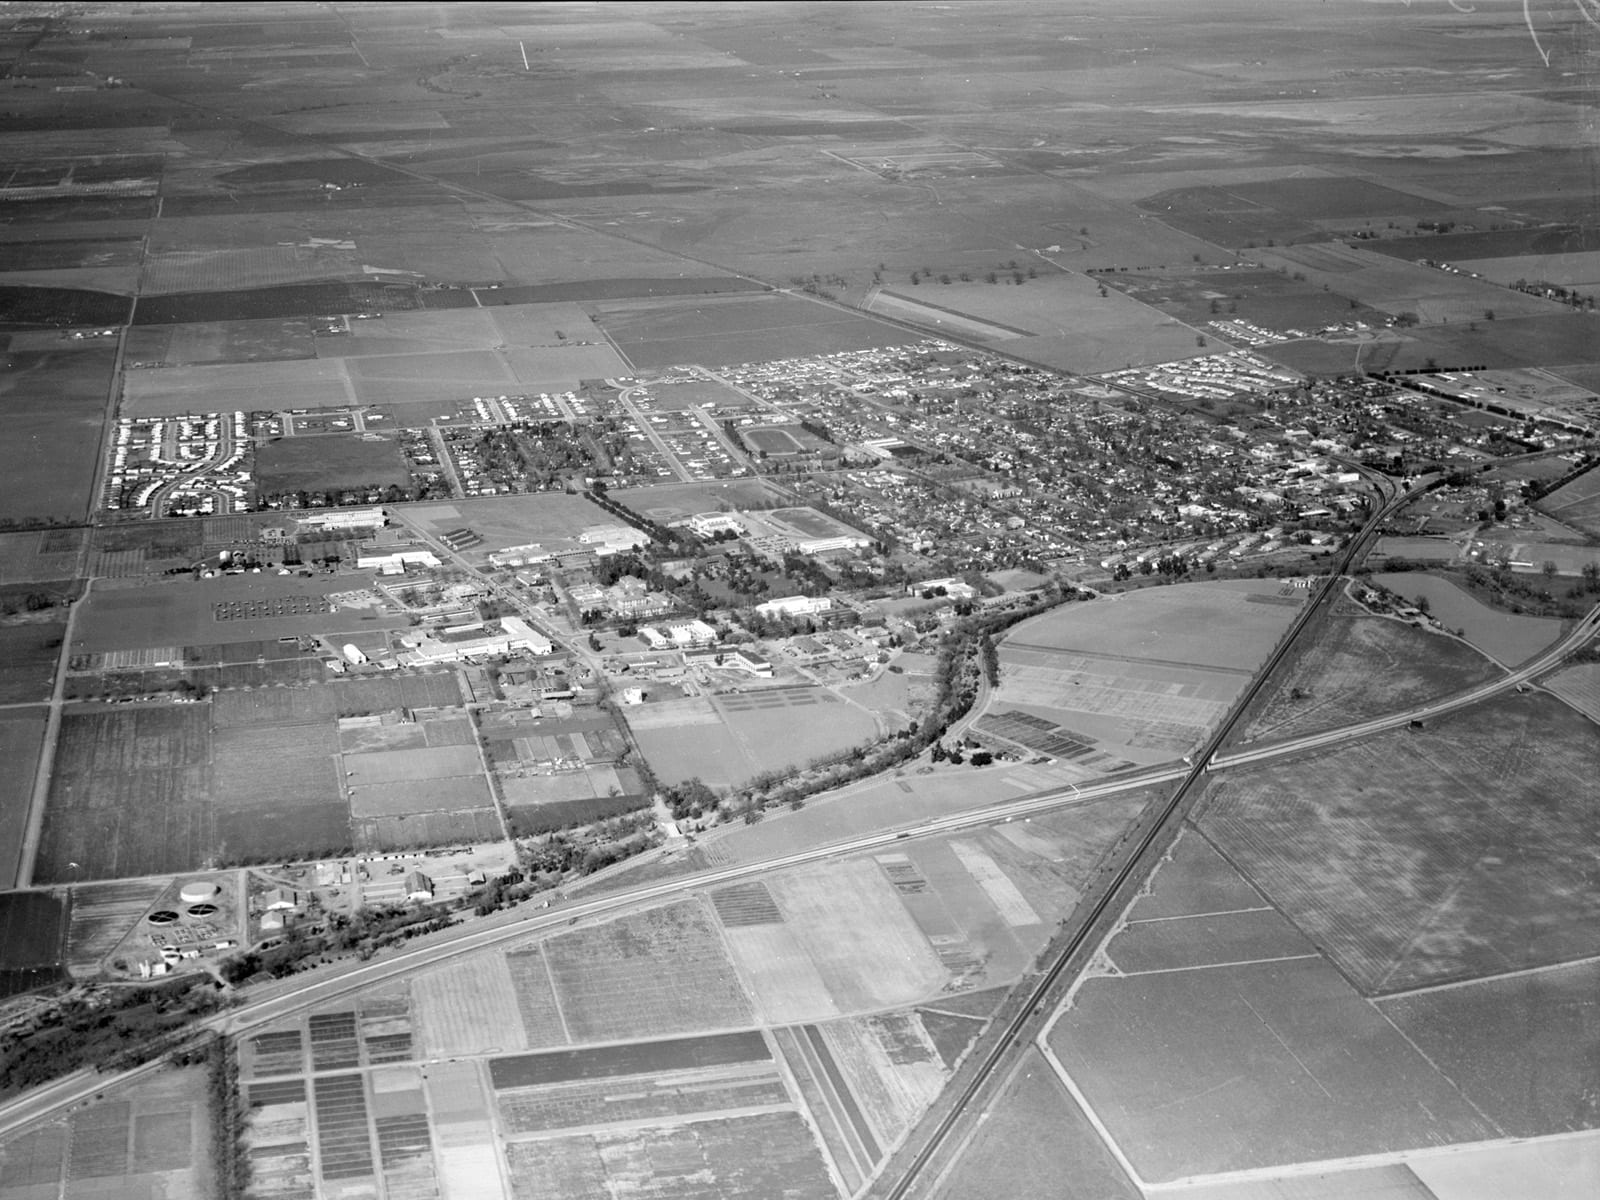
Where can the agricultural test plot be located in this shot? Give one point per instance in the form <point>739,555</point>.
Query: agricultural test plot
<point>270,340</point>
<point>662,971</point>
<point>45,556</point>
<point>33,927</point>
<point>1357,667</point>
<point>843,943</point>
<point>1508,638</point>
<point>746,1157</point>
<point>1426,856</point>
<point>131,794</point>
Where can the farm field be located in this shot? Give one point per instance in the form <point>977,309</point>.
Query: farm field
<point>740,735</point>
<point>130,794</point>
<point>1263,298</point>
<point>1035,1137</point>
<point>21,739</point>
<point>1579,686</point>
<point>237,387</point>
<point>270,340</point>
<point>102,916</point>
<point>1138,679</point>
<point>305,464</point>
<point>33,928</point>
<point>1070,325</point>
<point>1508,638</point>
<point>661,971</point>
<point>147,1139</point>
<point>1178,1105</point>
<point>1576,503</point>
<point>184,612</point>
<point>1521,1046</point>
<point>47,556</point>
<point>1421,857</point>
<point>721,332</point>
<point>54,403</point>
<point>1560,339</point>
<point>1357,667</point>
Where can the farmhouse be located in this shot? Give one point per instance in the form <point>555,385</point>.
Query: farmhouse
<point>418,886</point>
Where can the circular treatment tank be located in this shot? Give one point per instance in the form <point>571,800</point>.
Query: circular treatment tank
<point>201,891</point>
<point>164,916</point>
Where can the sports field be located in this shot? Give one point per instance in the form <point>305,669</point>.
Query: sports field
<point>1423,856</point>
<point>1357,667</point>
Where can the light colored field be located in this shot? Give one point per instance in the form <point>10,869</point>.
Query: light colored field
<point>230,387</point>
<point>1508,638</point>
<point>511,520</point>
<point>1581,269</point>
<point>393,766</point>
<point>1199,624</point>
<point>779,975</point>
<point>1550,1168</point>
<point>449,794</point>
<point>849,921</point>
<point>892,1091</point>
<point>597,780</point>
<point>471,1170</point>
<point>1012,905</point>
<point>257,266</point>
<point>1579,686</point>
<point>467,1008</point>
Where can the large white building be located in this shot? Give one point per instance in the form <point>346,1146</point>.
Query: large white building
<point>343,518</point>
<point>795,606</point>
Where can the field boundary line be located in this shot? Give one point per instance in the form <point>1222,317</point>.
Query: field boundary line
<point>1428,988</point>
<point>1221,912</point>
<point>555,996</point>
<point>1243,962</point>
<point>1042,1044</point>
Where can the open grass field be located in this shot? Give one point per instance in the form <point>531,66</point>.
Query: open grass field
<point>673,501</point>
<point>54,404</point>
<point>1035,1137</point>
<point>662,971</point>
<point>1243,1067</point>
<point>21,739</point>
<point>1521,1047</point>
<point>277,791</point>
<point>1564,339</point>
<point>1427,856</point>
<point>316,463</point>
<point>722,332</point>
<point>1359,667</point>
<point>1262,298</point>
<point>1508,638</point>
<point>40,557</point>
<point>130,794</point>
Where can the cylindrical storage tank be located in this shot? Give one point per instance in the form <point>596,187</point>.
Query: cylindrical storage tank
<point>198,892</point>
